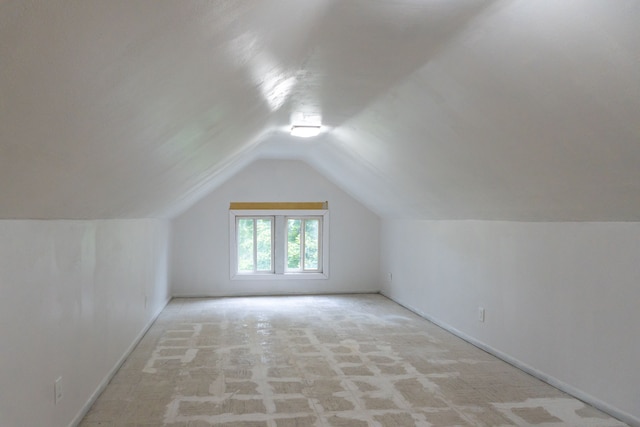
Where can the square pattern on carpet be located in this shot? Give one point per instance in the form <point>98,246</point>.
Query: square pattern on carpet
<point>348,360</point>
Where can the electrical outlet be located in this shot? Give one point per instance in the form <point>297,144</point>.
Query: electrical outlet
<point>389,277</point>
<point>481,314</point>
<point>146,301</point>
<point>57,389</point>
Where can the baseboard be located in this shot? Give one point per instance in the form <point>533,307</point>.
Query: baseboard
<point>271,294</point>
<point>560,385</point>
<point>103,384</point>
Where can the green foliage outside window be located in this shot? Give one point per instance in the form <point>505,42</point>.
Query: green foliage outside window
<point>303,235</point>
<point>263,240</point>
<point>293,244</point>
<point>245,244</point>
<point>311,238</point>
<point>254,233</point>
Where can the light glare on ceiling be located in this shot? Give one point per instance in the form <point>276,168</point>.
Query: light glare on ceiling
<point>305,131</point>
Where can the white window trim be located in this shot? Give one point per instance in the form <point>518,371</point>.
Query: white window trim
<point>280,245</point>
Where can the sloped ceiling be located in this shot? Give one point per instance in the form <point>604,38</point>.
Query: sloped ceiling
<point>519,110</point>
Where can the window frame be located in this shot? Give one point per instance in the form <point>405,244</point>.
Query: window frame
<point>279,244</point>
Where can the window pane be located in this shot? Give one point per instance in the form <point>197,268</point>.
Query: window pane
<point>263,242</point>
<point>245,245</point>
<point>293,244</point>
<point>311,238</point>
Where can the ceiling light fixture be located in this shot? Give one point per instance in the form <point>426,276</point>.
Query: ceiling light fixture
<point>305,131</point>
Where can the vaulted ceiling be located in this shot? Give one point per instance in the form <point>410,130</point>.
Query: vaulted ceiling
<point>506,109</point>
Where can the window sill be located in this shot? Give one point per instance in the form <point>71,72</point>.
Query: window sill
<point>287,276</point>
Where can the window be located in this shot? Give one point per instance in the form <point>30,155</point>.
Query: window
<point>303,239</point>
<point>255,244</point>
<point>279,241</point>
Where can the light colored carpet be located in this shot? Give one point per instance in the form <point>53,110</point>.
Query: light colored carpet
<point>353,360</point>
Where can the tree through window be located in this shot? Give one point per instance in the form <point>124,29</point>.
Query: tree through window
<point>303,238</point>
<point>255,244</point>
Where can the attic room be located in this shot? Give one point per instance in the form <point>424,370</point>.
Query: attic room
<point>476,188</point>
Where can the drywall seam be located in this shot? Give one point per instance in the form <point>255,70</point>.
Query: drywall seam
<point>567,388</point>
<point>105,381</point>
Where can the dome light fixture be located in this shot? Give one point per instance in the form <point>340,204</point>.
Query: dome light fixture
<point>305,131</point>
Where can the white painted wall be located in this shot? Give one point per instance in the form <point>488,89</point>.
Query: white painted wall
<point>72,302</point>
<point>561,298</point>
<point>200,245</point>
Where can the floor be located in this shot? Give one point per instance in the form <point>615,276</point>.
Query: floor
<point>353,360</point>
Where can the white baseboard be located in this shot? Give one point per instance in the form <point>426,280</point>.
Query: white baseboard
<point>105,381</point>
<point>560,385</point>
<point>271,294</point>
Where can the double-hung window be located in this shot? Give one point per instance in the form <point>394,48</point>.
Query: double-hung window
<point>279,240</point>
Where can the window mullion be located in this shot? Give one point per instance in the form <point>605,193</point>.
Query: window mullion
<point>272,222</point>
<point>255,245</point>
<point>302,241</point>
<point>280,243</point>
